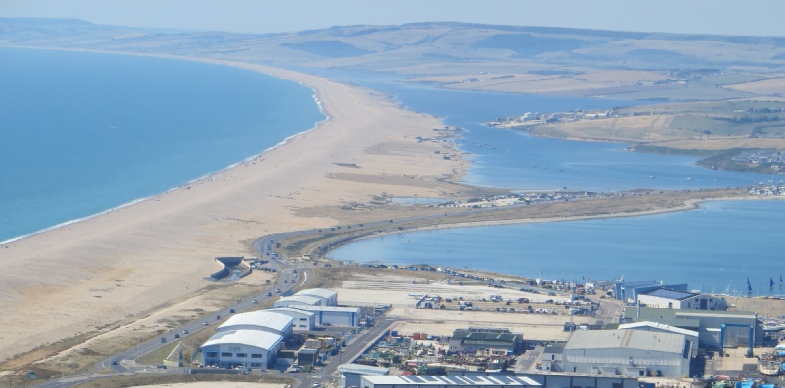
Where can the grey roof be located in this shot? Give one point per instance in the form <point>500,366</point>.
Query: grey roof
<point>665,316</point>
<point>671,294</point>
<point>296,299</point>
<point>319,292</point>
<point>292,311</point>
<point>330,308</point>
<point>366,370</point>
<point>484,338</point>
<point>264,318</point>
<point>495,380</point>
<point>257,338</point>
<point>659,326</point>
<point>555,348</point>
<point>630,339</point>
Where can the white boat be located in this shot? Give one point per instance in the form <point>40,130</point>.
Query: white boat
<point>769,367</point>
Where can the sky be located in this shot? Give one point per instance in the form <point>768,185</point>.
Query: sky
<point>718,17</point>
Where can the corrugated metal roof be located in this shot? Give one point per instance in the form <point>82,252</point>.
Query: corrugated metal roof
<point>495,380</point>
<point>630,339</point>
<point>658,325</point>
<point>671,294</point>
<point>285,310</point>
<point>257,338</point>
<point>310,300</point>
<point>320,292</point>
<point>264,318</point>
<point>363,369</point>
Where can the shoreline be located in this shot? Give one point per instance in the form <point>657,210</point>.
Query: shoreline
<point>110,268</point>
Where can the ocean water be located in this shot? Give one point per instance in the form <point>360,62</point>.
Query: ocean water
<point>700,247</point>
<point>85,132</point>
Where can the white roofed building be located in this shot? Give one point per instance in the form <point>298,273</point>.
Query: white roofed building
<point>497,381</point>
<point>263,320</point>
<point>303,320</point>
<point>692,336</point>
<point>675,299</point>
<point>253,349</point>
<point>328,297</point>
<point>297,301</point>
<point>628,353</point>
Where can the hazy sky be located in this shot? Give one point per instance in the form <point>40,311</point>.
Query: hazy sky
<point>726,17</point>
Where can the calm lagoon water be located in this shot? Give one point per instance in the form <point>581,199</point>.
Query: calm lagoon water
<point>85,132</point>
<point>714,248</point>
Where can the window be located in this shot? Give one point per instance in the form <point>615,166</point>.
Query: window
<point>226,354</point>
<point>303,319</point>
<point>242,355</point>
<point>211,354</point>
<point>256,356</point>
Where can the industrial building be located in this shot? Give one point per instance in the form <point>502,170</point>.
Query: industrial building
<point>334,316</point>
<point>682,300</point>
<point>297,301</point>
<point>475,339</point>
<point>351,374</point>
<point>328,297</point>
<point>629,291</point>
<point>264,320</point>
<point>562,380</point>
<point>552,357</point>
<point>655,327</point>
<point>303,320</point>
<point>489,381</point>
<point>252,349</point>
<point>707,323</point>
<point>627,353</point>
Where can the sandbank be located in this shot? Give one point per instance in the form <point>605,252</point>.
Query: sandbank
<point>118,267</point>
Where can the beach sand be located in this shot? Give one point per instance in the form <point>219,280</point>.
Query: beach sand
<point>121,266</point>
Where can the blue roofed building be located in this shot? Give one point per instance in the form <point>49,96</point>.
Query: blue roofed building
<point>629,291</point>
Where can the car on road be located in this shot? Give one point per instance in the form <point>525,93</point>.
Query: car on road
<point>231,311</point>
<point>277,290</point>
<point>185,331</point>
<point>269,294</point>
<point>177,336</point>
<point>255,301</point>
<point>205,323</point>
<point>315,385</point>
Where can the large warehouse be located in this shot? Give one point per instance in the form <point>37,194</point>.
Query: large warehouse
<point>328,297</point>
<point>303,320</point>
<point>297,301</point>
<point>474,339</point>
<point>496,381</point>
<point>264,320</point>
<point>253,349</point>
<point>627,353</point>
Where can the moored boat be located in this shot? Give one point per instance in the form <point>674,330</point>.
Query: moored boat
<point>769,367</point>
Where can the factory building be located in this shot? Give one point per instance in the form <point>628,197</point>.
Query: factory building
<point>252,349</point>
<point>264,320</point>
<point>629,291</point>
<point>297,301</point>
<point>328,297</point>
<point>655,327</point>
<point>682,300</point>
<point>474,339</point>
<point>303,320</point>
<point>627,353</point>
<point>334,316</point>
<point>707,323</point>
<point>351,374</point>
<point>552,357</point>
<point>562,380</point>
<point>489,381</point>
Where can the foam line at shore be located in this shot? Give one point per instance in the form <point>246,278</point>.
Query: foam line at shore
<point>208,176</point>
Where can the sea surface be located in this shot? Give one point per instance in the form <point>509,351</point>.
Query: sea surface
<point>84,132</point>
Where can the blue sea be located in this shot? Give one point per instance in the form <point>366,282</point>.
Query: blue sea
<point>83,132</point>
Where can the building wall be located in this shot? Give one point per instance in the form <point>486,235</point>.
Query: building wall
<point>302,322</point>
<point>285,333</point>
<point>570,381</point>
<point>625,361</point>
<point>337,318</point>
<point>734,336</point>
<point>698,302</point>
<point>231,355</point>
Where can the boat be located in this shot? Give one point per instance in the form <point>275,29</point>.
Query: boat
<point>769,367</point>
